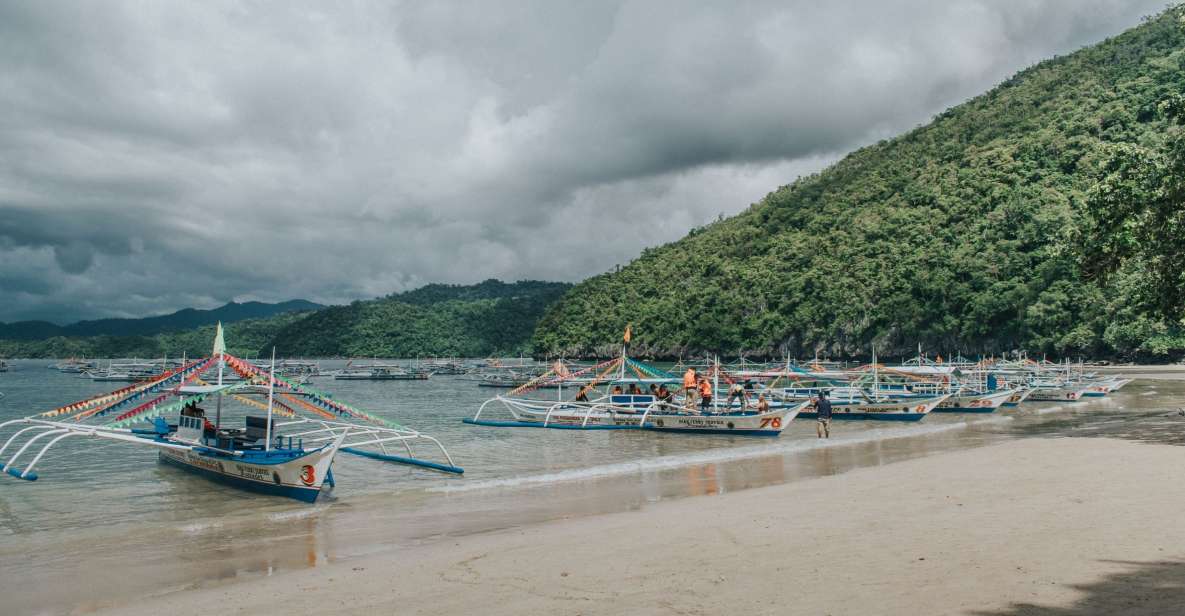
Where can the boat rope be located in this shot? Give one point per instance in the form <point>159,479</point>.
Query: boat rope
<point>86,408</point>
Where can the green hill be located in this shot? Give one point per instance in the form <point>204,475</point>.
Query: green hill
<point>436,320</point>
<point>243,338</point>
<point>181,320</point>
<point>961,234</point>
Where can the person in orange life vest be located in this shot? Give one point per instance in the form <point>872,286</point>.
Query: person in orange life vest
<point>705,395</point>
<point>690,382</point>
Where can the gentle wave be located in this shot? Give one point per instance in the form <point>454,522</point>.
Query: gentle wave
<point>993,420</point>
<point>299,514</point>
<point>692,459</point>
<point>199,527</point>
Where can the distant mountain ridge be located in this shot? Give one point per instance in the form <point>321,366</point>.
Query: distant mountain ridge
<point>188,318</point>
<point>489,317</point>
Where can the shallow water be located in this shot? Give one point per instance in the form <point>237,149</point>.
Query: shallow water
<point>115,524</point>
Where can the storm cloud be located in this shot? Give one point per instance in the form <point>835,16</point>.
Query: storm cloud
<point>155,156</point>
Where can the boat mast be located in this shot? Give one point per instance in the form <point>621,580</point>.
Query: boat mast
<point>876,378</point>
<point>220,350</point>
<point>716,385</point>
<point>271,391</point>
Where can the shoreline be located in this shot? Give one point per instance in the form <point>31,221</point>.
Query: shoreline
<point>971,531</point>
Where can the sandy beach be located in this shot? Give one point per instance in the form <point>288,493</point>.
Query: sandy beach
<point>1034,526</point>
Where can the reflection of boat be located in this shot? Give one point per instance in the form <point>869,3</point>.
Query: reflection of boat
<point>381,372</point>
<point>287,451</point>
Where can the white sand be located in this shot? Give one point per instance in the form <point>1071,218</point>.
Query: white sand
<point>1076,524</point>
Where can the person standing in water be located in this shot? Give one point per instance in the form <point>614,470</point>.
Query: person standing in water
<point>823,408</point>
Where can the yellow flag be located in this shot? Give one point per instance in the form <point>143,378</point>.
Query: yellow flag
<point>627,334</point>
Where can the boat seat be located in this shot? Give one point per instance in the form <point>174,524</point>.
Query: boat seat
<point>256,429</point>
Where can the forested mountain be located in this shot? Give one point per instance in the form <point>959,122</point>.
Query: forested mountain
<point>979,232</point>
<point>188,318</point>
<point>247,338</point>
<point>469,321</point>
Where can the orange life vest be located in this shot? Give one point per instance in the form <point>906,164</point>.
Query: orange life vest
<point>689,379</point>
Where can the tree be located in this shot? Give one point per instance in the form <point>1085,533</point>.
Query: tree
<point>1135,217</point>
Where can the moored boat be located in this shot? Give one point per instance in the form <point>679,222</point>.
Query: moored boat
<point>912,409</point>
<point>976,402</point>
<point>289,451</point>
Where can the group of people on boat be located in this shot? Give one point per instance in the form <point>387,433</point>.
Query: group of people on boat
<point>191,409</point>
<point>697,392</point>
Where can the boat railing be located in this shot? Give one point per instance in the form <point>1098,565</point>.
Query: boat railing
<point>59,431</point>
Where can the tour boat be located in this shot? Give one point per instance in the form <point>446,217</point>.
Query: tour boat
<point>617,410</point>
<point>972,402</point>
<point>289,451</point>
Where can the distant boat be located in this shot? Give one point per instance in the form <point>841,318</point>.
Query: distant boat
<point>381,372</point>
<point>74,366</point>
<point>129,372</point>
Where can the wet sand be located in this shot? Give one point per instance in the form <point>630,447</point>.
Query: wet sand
<point>1034,526</point>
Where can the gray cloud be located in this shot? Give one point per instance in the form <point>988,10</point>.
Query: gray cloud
<point>161,155</point>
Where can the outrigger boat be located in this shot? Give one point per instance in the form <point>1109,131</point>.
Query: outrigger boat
<point>614,410</point>
<point>291,457</point>
<point>974,402</point>
<point>1104,387</point>
<point>381,372</point>
<point>863,395</point>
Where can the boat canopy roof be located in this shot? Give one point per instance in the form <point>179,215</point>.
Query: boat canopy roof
<point>641,381</point>
<point>204,389</point>
<point>927,370</point>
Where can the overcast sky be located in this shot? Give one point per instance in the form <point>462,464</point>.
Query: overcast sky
<point>159,155</point>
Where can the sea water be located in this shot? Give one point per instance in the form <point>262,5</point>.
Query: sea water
<point>106,523</point>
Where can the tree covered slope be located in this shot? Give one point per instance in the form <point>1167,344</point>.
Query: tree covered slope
<point>186,319</point>
<point>436,320</point>
<point>961,234</point>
